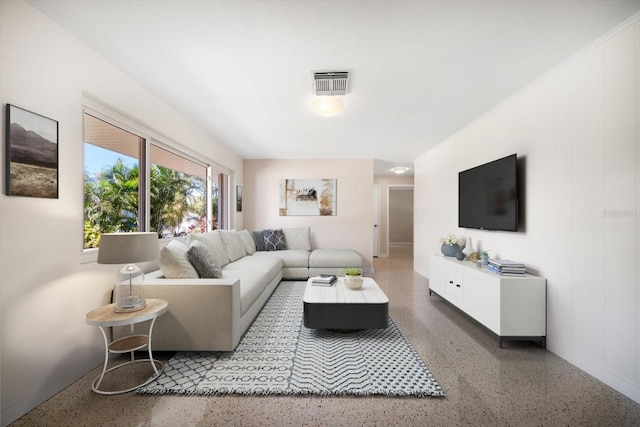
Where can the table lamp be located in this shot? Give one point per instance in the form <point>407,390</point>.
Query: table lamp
<point>128,248</point>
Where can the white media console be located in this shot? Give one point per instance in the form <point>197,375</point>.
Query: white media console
<point>514,308</point>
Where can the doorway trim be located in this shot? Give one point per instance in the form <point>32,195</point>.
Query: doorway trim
<point>376,220</point>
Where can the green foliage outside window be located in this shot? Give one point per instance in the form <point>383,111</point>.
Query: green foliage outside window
<point>111,201</point>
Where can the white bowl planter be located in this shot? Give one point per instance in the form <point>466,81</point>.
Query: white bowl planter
<point>353,282</point>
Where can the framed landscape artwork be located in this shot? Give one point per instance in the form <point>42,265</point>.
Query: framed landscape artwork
<point>308,197</point>
<point>31,153</point>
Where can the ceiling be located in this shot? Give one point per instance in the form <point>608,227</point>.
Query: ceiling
<point>421,70</point>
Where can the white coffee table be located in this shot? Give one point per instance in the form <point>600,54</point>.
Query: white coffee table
<point>337,307</point>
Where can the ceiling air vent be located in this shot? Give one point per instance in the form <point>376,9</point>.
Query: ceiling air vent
<point>331,82</point>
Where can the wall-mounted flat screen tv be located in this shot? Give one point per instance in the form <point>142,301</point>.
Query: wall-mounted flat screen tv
<point>488,196</point>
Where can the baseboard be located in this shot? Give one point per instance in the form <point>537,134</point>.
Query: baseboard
<point>632,391</point>
<point>421,271</point>
<point>49,388</point>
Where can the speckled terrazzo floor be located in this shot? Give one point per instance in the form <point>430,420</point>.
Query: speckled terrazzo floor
<point>518,385</point>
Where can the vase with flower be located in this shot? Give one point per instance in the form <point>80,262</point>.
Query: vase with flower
<point>451,245</point>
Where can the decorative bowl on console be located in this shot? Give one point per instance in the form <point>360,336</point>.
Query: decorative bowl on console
<point>450,250</point>
<point>451,244</point>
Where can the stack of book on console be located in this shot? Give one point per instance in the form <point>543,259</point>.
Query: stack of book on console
<point>323,280</point>
<point>506,267</point>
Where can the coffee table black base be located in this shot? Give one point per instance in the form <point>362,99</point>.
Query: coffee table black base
<point>346,317</point>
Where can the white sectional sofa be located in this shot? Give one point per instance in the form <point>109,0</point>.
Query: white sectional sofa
<point>212,314</point>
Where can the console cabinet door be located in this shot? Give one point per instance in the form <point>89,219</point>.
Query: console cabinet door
<point>482,298</point>
<point>436,272</point>
<point>453,279</point>
<point>523,307</point>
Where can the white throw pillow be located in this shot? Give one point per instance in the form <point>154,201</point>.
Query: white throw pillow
<point>213,242</point>
<point>298,238</point>
<point>248,241</point>
<point>174,262</point>
<point>233,245</point>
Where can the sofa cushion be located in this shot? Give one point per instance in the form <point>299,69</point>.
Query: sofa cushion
<point>252,284</point>
<point>248,242</point>
<point>258,238</point>
<point>274,240</point>
<point>295,273</point>
<point>267,266</point>
<point>290,257</point>
<point>343,258</point>
<point>298,238</point>
<point>233,246</point>
<point>213,242</point>
<point>203,261</point>
<point>175,263</point>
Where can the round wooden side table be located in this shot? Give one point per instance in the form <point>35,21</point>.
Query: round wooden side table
<point>104,317</point>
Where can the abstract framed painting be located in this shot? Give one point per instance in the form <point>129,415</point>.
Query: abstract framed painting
<point>31,154</point>
<point>311,197</point>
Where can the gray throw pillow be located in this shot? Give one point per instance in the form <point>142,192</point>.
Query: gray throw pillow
<point>259,238</point>
<point>274,240</point>
<point>203,262</point>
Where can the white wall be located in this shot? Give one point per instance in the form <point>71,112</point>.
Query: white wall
<point>352,227</point>
<point>45,291</point>
<point>576,134</point>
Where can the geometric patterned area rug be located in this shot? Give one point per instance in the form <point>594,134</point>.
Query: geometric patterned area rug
<point>278,355</point>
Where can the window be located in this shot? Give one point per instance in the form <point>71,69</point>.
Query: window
<point>183,195</point>
<point>178,194</point>
<point>111,180</point>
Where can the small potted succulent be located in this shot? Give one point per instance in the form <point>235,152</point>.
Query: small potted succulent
<point>484,257</point>
<point>353,278</point>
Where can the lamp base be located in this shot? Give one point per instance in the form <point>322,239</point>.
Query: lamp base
<point>135,306</point>
<point>129,292</point>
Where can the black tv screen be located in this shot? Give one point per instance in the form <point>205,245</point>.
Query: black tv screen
<point>488,196</point>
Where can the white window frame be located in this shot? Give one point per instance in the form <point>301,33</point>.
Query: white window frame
<point>94,108</point>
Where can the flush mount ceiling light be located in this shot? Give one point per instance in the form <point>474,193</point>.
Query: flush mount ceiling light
<point>399,169</point>
<point>327,106</point>
<point>327,86</point>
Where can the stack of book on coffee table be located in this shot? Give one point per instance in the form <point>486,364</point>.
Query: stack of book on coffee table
<point>506,267</point>
<point>323,280</point>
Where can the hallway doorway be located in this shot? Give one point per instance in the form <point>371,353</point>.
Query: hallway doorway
<point>400,221</point>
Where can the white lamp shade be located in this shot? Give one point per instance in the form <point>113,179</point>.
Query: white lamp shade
<point>128,248</point>
<point>327,106</point>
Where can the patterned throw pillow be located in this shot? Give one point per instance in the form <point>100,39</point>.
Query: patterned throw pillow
<point>203,262</point>
<point>274,240</point>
